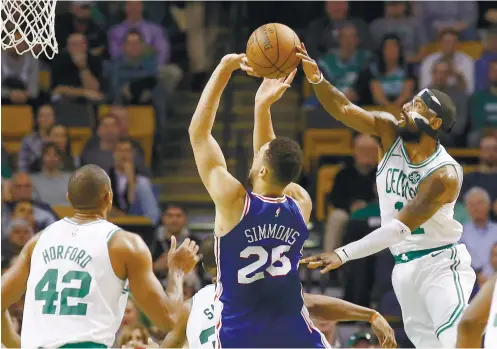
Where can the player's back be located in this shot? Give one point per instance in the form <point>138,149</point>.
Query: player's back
<point>259,295</point>
<point>491,330</point>
<point>200,330</point>
<point>72,293</point>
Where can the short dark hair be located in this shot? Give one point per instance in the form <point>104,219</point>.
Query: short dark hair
<point>87,186</point>
<point>174,205</point>
<point>48,146</point>
<point>447,31</point>
<point>285,159</point>
<point>206,250</point>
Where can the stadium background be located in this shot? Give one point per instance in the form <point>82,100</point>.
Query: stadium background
<point>123,88</point>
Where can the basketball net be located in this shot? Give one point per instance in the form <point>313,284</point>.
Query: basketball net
<point>28,25</point>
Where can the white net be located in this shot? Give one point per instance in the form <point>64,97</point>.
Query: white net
<point>28,25</point>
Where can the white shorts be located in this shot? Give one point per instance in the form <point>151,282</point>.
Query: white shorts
<point>433,290</point>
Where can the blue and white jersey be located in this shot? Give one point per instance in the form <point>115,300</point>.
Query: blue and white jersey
<point>259,301</point>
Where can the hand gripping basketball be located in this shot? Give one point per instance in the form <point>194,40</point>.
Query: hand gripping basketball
<point>309,65</point>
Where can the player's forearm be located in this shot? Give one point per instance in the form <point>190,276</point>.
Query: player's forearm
<point>332,100</point>
<point>263,126</point>
<point>174,288</point>
<point>334,309</point>
<point>205,114</point>
<point>391,233</point>
<point>469,335</point>
<point>10,338</point>
<point>177,336</point>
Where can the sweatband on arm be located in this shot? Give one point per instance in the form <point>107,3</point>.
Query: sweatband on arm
<point>391,233</point>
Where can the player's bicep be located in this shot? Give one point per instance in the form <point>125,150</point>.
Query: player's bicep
<point>144,285</point>
<point>15,279</point>
<point>221,185</point>
<point>439,188</point>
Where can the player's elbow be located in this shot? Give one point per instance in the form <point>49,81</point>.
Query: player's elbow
<point>197,134</point>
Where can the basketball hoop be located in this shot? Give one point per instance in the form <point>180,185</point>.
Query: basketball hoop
<point>28,25</point>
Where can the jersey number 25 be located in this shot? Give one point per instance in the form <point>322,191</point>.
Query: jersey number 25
<point>277,255</point>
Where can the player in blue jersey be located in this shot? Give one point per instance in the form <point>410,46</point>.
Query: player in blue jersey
<point>260,233</point>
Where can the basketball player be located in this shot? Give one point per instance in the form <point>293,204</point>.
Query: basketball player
<point>200,326</point>
<point>259,234</point>
<point>76,275</point>
<point>481,314</point>
<point>418,184</point>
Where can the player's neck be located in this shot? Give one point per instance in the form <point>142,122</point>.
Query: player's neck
<point>419,152</point>
<point>83,217</point>
<point>270,191</point>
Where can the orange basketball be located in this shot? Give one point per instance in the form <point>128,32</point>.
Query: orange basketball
<point>271,50</point>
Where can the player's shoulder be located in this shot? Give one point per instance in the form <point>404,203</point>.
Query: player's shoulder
<point>124,241</point>
<point>204,296</point>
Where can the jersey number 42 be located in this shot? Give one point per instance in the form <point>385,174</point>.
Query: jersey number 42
<point>46,290</point>
<point>277,255</point>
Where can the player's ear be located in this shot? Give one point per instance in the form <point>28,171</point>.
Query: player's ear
<point>263,171</point>
<point>436,123</point>
<point>67,198</point>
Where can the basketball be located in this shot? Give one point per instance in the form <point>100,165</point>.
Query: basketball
<point>271,50</point>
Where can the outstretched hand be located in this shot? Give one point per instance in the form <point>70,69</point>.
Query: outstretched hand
<point>235,61</point>
<point>384,332</point>
<point>271,90</point>
<point>309,65</point>
<point>329,261</point>
<point>184,257</point>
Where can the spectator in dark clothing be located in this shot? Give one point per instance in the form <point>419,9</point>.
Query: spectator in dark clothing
<point>440,81</point>
<point>486,174</point>
<point>353,188</point>
<point>174,222</point>
<point>322,34</point>
<point>99,150</point>
<point>392,79</point>
<point>134,73</point>
<point>79,20</point>
<point>22,190</point>
<point>20,77</point>
<point>58,135</point>
<point>18,234</point>
<point>489,54</point>
<point>396,21</point>
<point>31,144</point>
<point>133,192</point>
<point>483,107</point>
<point>76,74</point>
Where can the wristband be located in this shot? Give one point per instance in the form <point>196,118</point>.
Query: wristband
<point>342,254</point>
<point>373,317</point>
<point>316,83</point>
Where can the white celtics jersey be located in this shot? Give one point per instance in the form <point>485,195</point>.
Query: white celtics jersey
<point>491,331</point>
<point>397,182</point>
<point>201,330</point>
<point>72,293</point>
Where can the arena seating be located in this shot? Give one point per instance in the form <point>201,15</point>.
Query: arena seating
<point>78,136</point>
<point>17,122</point>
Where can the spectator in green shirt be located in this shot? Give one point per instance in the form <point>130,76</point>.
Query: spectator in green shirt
<point>342,66</point>
<point>483,108</point>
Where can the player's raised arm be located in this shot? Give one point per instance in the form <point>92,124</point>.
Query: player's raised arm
<point>177,337</point>
<point>475,317</point>
<point>334,309</point>
<point>223,188</point>
<point>439,188</point>
<point>337,104</point>
<point>132,259</point>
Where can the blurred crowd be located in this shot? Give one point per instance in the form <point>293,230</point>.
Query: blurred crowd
<point>135,53</point>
